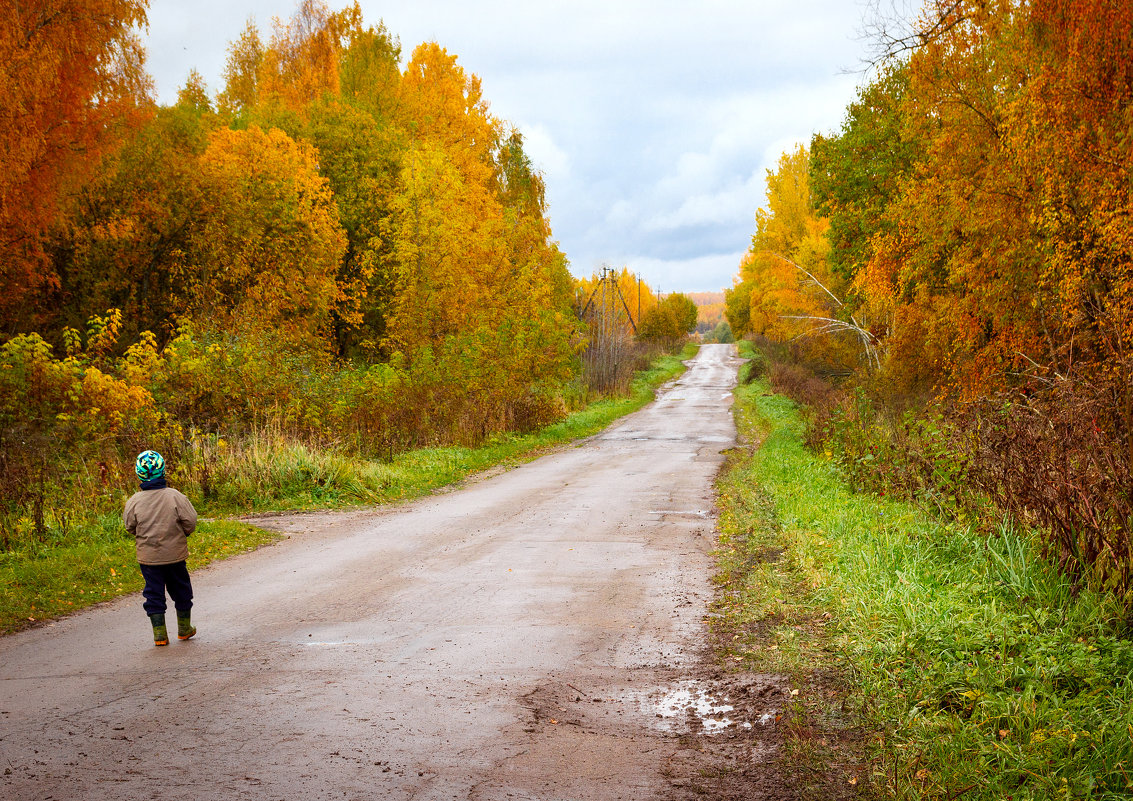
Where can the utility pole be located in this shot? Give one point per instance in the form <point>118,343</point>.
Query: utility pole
<point>605,360</point>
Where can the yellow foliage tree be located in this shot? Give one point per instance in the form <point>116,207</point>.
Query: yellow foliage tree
<point>241,71</point>
<point>266,251</point>
<point>442,105</point>
<point>446,236</point>
<point>786,289</point>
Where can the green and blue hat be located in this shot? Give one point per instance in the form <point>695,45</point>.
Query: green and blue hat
<point>149,465</point>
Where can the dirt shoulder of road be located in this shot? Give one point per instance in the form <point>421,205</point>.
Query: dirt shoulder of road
<point>764,622</point>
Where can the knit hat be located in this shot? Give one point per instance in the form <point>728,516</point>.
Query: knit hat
<point>149,465</point>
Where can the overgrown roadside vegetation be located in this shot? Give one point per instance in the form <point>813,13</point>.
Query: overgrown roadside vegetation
<point>947,279</point>
<point>84,561</point>
<point>932,661</point>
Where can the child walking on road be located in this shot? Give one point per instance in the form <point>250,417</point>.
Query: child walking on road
<point>161,520</point>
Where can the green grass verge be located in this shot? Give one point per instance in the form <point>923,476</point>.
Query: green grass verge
<point>63,578</point>
<point>965,662</point>
<point>92,560</point>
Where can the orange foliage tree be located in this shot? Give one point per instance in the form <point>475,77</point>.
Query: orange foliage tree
<point>301,61</point>
<point>1005,235</point>
<point>70,74</point>
<point>1072,125</point>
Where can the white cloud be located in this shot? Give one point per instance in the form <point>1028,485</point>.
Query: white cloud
<point>548,157</point>
<point>724,206</point>
<point>621,214</point>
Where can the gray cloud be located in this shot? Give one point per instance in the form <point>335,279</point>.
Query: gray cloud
<point>653,122</point>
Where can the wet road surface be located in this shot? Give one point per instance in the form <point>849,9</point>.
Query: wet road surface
<point>508,639</point>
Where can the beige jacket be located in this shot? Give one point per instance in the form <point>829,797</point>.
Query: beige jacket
<point>161,521</point>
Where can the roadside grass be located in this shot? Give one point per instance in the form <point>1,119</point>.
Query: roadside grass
<point>933,662</point>
<point>70,576</point>
<point>87,558</point>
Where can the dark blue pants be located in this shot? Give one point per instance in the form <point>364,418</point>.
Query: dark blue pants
<point>159,578</point>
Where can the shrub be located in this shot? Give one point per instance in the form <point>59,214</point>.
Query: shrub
<point>916,456</point>
<point>802,386</point>
<point>1058,454</point>
<point>61,419</point>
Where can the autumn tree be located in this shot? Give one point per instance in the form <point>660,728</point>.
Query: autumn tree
<point>369,75</point>
<point>71,74</point>
<point>737,305</point>
<point>192,220</point>
<point>194,94</point>
<point>241,71</point>
<point>265,250</point>
<point>670,321</point>
<point>786,289</point>
<point>1072,128</point>
<point>128,229</point>
<point>977,192</point>
<point>475,270</point>
<point>468,235</point>
<point>328,81</point>
<point>537,287</point>
<point>447,246</point>
<point>361,159</point>
<point>445,107</point>
<point>301,61</point>
<point>961,260</point>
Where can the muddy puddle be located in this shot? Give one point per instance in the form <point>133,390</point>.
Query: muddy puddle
<point>692,706</point>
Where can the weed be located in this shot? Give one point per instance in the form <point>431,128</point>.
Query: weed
<point>972,665</point>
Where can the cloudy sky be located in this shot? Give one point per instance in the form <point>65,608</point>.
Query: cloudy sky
<point>653,121</point>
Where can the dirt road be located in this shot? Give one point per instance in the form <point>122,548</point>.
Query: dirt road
<point>534,635</point>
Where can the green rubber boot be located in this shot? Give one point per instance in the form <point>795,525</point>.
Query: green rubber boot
<point>185,629</point>
<point>160,633</point>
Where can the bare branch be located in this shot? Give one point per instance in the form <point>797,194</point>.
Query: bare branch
<point>894,31</point>
<point>805,272</point>
<point>1039,367</point>
<point>867,339</point>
